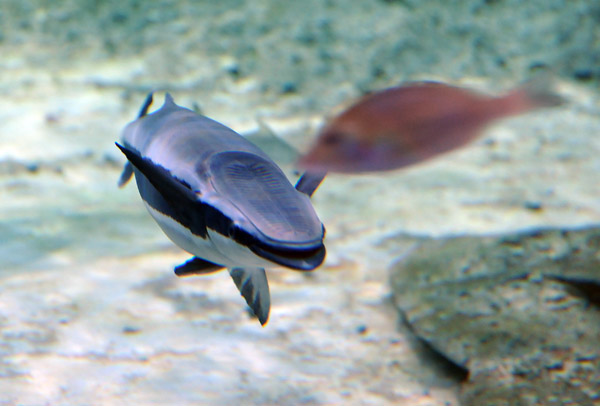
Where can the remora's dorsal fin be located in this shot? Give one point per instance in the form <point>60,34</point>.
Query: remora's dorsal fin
<point>169,100</point>
<point>254,287</point>
<point>197,266</point>
<point>309,182</point>
<point>146,105</point>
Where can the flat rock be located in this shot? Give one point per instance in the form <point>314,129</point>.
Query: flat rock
<point>519,311</point>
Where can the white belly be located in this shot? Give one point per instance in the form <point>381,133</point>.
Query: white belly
<point>215,248</point>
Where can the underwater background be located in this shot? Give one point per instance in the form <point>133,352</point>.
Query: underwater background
<point>468,280</point>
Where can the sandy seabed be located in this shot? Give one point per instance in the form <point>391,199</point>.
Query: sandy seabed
<point>90,311</point>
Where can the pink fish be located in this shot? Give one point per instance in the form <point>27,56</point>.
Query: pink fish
<point>405,125</point>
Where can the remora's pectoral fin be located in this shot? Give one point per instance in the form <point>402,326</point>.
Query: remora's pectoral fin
<point>309,182</point>
<point>197,266</point>
<point>159,177</point>
<point>254,287</point>
<point>146,105</point>
<point>128,169</point>
<point>126,174</point>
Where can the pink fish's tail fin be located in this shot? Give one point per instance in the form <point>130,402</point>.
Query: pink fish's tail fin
<point>541,93</point>
<point>535,94</point>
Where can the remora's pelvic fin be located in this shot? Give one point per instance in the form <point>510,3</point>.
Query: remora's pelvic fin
<point>197,266</point>
<point>254,287</point>
<point>125,175</point>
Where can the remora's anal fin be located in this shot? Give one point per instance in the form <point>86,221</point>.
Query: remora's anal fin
<point>254,287</point>
<point>197,266</point>
<point>309,182</point>
<point>125,175</point>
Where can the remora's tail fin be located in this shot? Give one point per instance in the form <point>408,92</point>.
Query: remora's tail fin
<point>254,287</point>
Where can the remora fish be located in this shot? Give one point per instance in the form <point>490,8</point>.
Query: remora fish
<point>219,197</point>
<point>405,125</point>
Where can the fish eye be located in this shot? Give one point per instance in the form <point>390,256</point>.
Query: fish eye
<point>332,138</point>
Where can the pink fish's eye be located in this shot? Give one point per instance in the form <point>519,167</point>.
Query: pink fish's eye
<point>332,138</point>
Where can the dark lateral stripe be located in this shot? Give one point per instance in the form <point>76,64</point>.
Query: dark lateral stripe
<point>166,194</point>
<point>189,215</point>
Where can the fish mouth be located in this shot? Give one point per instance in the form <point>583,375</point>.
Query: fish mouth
<point>300,256</point>
<point>305,259</point>
<point>303,255</point>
